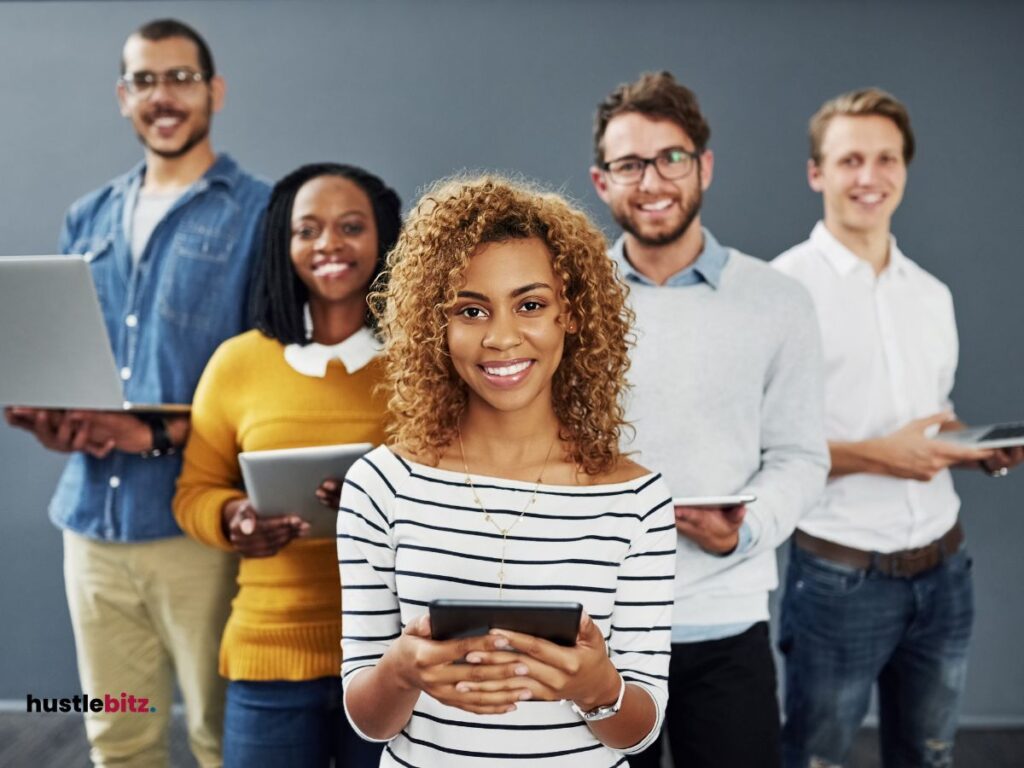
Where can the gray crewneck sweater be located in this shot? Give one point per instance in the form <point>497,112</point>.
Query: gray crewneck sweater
<point>727,398</point>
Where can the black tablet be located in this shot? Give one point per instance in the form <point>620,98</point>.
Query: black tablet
<point>557,622</point>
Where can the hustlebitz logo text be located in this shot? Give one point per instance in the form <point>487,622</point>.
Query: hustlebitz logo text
<point>127,703</point>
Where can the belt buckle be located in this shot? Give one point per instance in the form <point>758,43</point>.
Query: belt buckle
<point>904,564</point>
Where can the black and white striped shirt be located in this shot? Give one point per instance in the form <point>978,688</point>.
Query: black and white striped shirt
<point>409,534</point>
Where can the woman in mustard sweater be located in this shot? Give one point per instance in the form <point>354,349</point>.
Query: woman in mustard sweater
<point>306,376</point>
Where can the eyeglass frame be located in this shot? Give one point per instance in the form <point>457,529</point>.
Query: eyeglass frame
<point>652,161</point>
<point>162,78</point>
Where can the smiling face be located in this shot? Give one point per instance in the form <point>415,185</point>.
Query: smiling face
<point>333,240</point>
<point>506,331</point>
<point>170,121</point>
<point>862,173</point>
<point>654,210</point>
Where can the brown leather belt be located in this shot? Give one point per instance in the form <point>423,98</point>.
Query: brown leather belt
<point>904,564</point>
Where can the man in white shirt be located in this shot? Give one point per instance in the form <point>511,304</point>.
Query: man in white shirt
<point>879,584</point>
<point>726,398</point>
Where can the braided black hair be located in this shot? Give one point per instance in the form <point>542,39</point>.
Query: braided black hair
<point>278,295</point>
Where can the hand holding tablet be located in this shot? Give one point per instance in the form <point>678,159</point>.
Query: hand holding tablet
<point>285,481</point>
<point>712,522</point>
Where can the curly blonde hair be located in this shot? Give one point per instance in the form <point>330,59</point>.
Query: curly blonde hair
<point>426,396</point>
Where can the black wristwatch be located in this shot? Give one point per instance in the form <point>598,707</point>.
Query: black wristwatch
<point>162,445</point>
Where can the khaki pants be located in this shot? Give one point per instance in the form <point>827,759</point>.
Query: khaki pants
<point>142,612</point>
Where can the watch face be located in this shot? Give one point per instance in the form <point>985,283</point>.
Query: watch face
<point>601,713</point>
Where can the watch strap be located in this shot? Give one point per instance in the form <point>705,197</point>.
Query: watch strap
<point>162,445</point>
<point>609,710</point>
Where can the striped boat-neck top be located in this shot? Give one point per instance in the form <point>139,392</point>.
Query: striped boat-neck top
<point>409,534</point>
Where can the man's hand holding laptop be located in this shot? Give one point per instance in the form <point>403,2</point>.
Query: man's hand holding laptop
<point>94,432</point>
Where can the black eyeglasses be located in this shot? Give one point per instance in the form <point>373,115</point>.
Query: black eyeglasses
<point>178,80</point>
<point>671,164</point>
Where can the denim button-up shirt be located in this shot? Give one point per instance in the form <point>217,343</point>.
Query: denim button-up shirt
<point>165,317</point>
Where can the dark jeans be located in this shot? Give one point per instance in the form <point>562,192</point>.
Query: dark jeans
<point>722,709</point>
<point>843,629</point>
<point>286,724</point>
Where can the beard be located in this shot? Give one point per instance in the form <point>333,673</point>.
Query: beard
<point>690,210</point>
<point>199,133</point>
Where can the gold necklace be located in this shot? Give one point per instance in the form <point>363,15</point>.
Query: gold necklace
<point>487,515</point>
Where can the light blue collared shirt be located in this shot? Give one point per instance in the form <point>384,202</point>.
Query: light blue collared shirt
<point>706,268</point>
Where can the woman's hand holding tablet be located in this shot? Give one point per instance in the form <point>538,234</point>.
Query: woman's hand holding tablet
<point>419,663</point>
<point>253,535</point>
<point>582,673</point>
<point>482,666</point>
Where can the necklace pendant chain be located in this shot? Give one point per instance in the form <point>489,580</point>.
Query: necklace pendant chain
<point>490,518</point>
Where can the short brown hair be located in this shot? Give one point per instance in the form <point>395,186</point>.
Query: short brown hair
<point>655,94</point>
<point>426,397</point>
<point>861,103</point>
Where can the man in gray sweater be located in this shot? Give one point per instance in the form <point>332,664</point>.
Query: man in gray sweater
<point>727,399</point>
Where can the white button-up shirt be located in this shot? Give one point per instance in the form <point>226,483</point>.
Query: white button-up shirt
<point>891,349</point>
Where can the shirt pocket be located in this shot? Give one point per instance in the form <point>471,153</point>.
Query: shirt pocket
<point>92,247</point>
<point>200,269</point>
<point>97,250</point>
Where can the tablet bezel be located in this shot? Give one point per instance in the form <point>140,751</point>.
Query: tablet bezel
<point>555,621</point>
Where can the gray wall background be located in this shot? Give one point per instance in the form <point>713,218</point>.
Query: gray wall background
<point>416,90</point>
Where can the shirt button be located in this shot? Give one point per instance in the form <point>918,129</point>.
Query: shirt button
<point>131,321</point>
<point>126,373</point>
<point>114,481</point>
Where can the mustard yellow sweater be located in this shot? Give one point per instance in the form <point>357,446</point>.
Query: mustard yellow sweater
<point>285,622</point>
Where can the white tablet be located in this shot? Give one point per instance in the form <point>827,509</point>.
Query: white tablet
<point>284,481</point>
<point>714,501</point>
<point>1006,435</point>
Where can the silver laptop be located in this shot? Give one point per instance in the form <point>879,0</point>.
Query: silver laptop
<point>54,349</point>
<point>1006,435</point>
<point>284,481</point>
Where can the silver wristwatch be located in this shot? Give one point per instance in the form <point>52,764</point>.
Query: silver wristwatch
<point>603,713</point>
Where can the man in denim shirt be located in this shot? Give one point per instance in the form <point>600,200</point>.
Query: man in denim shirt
<point>170,245</point>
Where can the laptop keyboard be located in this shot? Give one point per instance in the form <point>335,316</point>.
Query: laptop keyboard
<point>1004,432</point>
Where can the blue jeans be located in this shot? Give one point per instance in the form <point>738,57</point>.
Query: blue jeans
<point>844,628</point>
<point>286,724</point>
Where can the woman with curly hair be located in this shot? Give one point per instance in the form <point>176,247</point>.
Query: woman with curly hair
<point>505,332</point>
<point>305,376</point>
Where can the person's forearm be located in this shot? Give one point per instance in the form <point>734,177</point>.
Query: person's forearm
<point>378,703</point>
<point>178,428</point>
<point>787,486</point>
<point>205,486</point>
<point>856,457</point>
<point>634,721</point>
